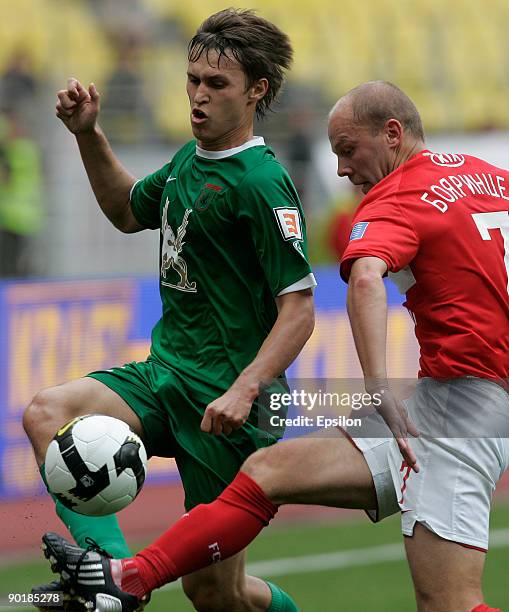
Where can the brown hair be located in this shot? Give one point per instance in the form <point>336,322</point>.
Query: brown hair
<point>260,47</point>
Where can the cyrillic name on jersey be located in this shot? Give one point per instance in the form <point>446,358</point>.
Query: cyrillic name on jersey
<point>454,187</point>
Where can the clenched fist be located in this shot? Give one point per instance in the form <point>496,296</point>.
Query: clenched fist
<point>77,107</point>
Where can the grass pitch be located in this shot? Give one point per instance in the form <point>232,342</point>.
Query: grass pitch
<point>327,567</point>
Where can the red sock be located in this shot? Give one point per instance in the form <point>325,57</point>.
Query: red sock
<point>484,608</point>
<point>207,534</point>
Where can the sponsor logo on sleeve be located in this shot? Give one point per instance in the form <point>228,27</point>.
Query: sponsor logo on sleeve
<point>289,223</point>
<point>358,230</point>
<point>298,247</point>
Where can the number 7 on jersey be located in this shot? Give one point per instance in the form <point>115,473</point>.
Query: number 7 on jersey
<point>495,220</point>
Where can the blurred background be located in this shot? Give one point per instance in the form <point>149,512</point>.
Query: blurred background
<point>452,58</point>
<point>77,295</point>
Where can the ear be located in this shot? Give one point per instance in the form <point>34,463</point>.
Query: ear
<point>393,132</point>
<point>258,90</point>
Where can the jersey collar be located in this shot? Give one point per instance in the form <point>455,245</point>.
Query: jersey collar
<point>256,141</point>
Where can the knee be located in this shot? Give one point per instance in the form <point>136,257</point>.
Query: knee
<point>426,597</point>
<point>443,601</point>
<point>447,598</point>
<point>42,410</point>
<point>263,467</point>
<point>208,597</point>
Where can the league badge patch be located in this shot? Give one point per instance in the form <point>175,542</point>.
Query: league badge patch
<point>289,223</point>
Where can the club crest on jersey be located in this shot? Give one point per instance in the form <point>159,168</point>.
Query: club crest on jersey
<point>208,194</point>
<point>171,248</point>
<point>358,230</point>
<point>289,223</point>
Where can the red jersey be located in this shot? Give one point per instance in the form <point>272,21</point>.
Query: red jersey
<point>441,224</point>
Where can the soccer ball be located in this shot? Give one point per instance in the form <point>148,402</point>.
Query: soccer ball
<point>95,465</point>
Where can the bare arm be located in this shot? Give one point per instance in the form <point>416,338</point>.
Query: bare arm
<point>290,332</point>
<point>367,309</point>
<point>78,108</point>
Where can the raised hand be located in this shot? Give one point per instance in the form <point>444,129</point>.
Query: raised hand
<point>77,107</point>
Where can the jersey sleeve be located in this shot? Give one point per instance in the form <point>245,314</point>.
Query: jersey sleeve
<point>383,230</point>
<point>270,208</point>
<point>146,197</point>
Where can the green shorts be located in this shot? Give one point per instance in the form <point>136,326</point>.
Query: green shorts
<point>170,408</point>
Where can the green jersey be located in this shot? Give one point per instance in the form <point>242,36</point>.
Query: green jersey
<point>232,239</point>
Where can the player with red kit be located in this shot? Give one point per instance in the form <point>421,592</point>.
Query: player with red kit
<point>438,225</point>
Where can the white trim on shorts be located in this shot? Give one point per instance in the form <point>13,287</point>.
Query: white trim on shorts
<point>376,452</point>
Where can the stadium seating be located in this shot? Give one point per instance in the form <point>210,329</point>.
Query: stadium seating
<point>451,57</point>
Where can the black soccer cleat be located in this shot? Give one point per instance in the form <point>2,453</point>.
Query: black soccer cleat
<point>45,593</point>
<point>87,572</point>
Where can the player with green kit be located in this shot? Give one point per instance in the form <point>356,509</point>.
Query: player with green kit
<point>235,284</point>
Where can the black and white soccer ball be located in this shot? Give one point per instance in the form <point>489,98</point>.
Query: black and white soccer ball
<point>96,465</point>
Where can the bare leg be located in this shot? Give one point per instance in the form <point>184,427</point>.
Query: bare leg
<point>52,408</point>
<point>447,577</point>
<point>323,469</point>
<point>225,586</point>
